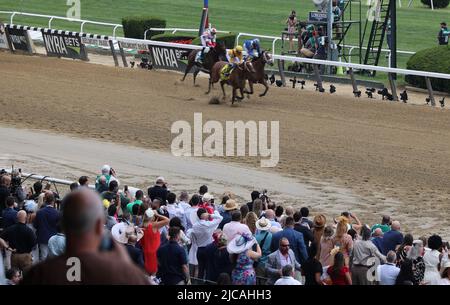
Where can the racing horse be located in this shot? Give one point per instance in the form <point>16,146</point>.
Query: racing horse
<point>237,78</point>
<point>215,54</point>
<point>259,76</point>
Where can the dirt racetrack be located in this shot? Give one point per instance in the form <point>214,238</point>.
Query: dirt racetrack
<point>394,156</point>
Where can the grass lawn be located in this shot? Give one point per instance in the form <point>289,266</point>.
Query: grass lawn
<point>417,26</point>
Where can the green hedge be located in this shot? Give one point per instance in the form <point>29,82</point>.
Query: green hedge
<point>228,39</point>
<point>435,59</point>
<point>436,3</point>
<point>172,37</point>
<point>135,26</point>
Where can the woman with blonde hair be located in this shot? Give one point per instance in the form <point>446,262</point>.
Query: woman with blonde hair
<point>258,207</point>
<point>342,240</point>
<point>250,220</point>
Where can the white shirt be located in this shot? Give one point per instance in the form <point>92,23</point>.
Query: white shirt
<point>445,281</point>
<point>176,211</point>
<point>287,280</point>
<point>232,228</point>
<point>431,260</point>
<point>387,274</point>
<point>204,229</point>
<point>184,205</point>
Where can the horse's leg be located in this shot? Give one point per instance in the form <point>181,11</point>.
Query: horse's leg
<point>209,86</point>
<point>222,85</point>
<point>234,96</point>
<point>188,68</point>
<point>264,82</point>
<point>195,74</point>
<point>241,89</point>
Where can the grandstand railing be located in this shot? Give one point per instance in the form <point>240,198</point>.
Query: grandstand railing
<point>51,18</point>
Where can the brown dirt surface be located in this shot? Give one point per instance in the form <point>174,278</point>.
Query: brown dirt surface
<point>393,155</point>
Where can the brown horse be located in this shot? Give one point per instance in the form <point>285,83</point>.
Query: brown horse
<point>237,78</point>
<point>259,75</point>
<point>214,55</point>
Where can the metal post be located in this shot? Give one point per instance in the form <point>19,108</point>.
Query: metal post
<point>122,54</point>
<point>330,31</point>
<point>352,77</point>
<point>11,46</point>
<point>281,70</point>
<point>318,77</point>
<point>113,52</point>
<point>430,91</point>
<point>393,59</point>
<point>393,86</point>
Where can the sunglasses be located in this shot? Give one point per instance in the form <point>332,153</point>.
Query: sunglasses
<point>285,246</point>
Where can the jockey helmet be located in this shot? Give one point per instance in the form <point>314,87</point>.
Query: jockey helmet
<point>213,31</point>
<point>238,49</point>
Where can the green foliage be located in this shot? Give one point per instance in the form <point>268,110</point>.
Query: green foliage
<point>135,26</point>
<point>436,3</point>
<point>435,59</point>
<point>228,39</point>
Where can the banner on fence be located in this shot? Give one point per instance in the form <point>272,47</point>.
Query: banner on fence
<point>95,42</point>
<point>63,45</point>
<point>169,58</point>
<point>3,39</point>
<point>317,17</point>
<point>20,40</point>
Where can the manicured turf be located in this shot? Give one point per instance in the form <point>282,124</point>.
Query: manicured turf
<point>417,26</point>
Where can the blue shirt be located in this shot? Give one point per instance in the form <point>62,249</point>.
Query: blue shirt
<point>296,242</point>
<point>387,274</point>
<point>265,248</point>
<point>9,217</point>
<point>378,242</point>
<point>171,258</point>
<point>45,223</point>
<point>390,240</point>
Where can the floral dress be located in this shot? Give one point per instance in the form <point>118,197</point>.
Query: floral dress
<point>244,273</point>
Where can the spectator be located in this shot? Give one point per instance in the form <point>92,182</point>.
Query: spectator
<point>224,279</point>
<point>406,275</point>
<point>184,201</point>
<point>443,34</point>
<point>36,191</point>
<point>339,272</point>
<point>264,239</point>
<point>387,273</point>
<point>207,203</point>
<point>83,181</point>
<point>445,274</point>
<point>279,211</point>
<point>243,258</point>
<point>326,245</point>
<point>201,235</point>
<point>404,248</point>
<point>133,236</point>
<point>385,225</point>
<point>73,186</point>
<point>295,238</point>
<point>377,239</point>
<point>365,254</point>
<point>46,222</point>
<point>291,23</point>
<point>270,215</point>
<point>304,229</point>
<point>172,261</point>
<point>289,211</point>
<point>393,238</point>
<point>202,190</point>
<point>13,276</point>
<point>101,185</point>
<point>258,207</point>
<point>153,222</point>
<point>9,214</point>
<point>138,197</point>
<point>234,227</point>
<point>250,221</point>
<point>191,212</point>
<point>287,277</point>
<point>230,207</point>
<point>113,195</point>
<point>343,241</point>
<point>317,229</point>
<point>244,211</point>
<point>432,260</point>
<point>254,195</point>
<point>312,269</point>
<point>83,222</point>
<point>304,213</point>
<point>415,254</point>
<point>280,258</point>
<point>5,183</point>
<point>184,240</point>
<point>21,241</point>
<point>175,210</point>
<point>159,190</point>
<point>108,174</point>
<point>218,258</point>
<point>57,243</point>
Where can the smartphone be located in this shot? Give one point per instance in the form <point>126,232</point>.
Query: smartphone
<point>125,188</point>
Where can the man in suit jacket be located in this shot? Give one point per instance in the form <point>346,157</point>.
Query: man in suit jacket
<point>297,243</point>
<point>278,259</point>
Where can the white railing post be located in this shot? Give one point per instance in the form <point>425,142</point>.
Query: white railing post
<point>50,22</point>
<point>114,30</point>
<point>82,26</point>
<point>12,17</point>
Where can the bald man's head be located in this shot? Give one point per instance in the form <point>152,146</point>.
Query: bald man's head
<point>22,216</point>
<point>395,225</point>
<point>378,232</point>
<point>82,211</point>
<point>270,214</point>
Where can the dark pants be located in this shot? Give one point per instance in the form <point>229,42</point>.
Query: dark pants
<point>202,259</point>
<point>360,275</point>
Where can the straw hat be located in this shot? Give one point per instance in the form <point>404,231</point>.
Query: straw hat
<point>231,205</point>
<point>241,243</point>
<point>263,224</point>
<point>121,231</point>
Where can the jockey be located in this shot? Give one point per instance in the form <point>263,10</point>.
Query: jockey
<point>208,39</point>
<point>252,48</point>
<point>234,58</point>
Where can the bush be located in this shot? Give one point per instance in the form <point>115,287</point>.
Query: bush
<point>135,26</point>
<point>435,59</point>
<point>436,3</point>
<point>180,38</point>
<point>228,39</point>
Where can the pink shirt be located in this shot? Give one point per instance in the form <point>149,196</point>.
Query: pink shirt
<point>232,228</point>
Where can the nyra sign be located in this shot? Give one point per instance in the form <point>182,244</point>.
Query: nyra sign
<point>168,58</point>
<point>62,45</point>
